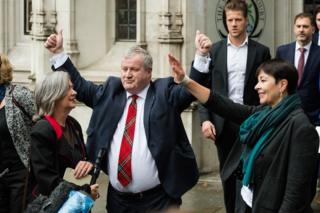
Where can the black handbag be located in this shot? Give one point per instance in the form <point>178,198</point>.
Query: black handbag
<point>52,203</point>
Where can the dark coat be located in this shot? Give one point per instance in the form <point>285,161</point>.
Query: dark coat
<point>166,136</point>
<point>315,38</point>
<point>50,157</point>
<point>309,87</point>
<point>257,54</point>
<point>19,123</point>
<point>284,173</point>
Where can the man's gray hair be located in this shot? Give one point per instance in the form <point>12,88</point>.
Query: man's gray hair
<point>53,87</point>
<point>147,58</point>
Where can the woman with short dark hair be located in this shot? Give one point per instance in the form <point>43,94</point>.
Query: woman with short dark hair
<point>275,158</point>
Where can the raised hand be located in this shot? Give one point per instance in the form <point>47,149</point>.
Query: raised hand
<point>203,44</point>
<point>54,43</point>
<point>178,72</point>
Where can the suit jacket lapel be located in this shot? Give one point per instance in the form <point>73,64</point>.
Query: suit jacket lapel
<point>315,38</point>
<point>150,98</point>
<point>119,106</point>
<point>291,52</point>
<point>221,62</point>
<point>308,65</point>
<point>250,60</point>
<point>111,121</point>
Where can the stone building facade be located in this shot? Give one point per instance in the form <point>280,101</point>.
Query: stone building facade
<point>98,32</point>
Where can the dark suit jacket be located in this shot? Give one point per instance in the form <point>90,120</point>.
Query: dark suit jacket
<point>257,54</point>
<point>315,38</point>
<point>50,157</point>
<point>285,170</point>
<point>166,136</point>
<point>308,89</point>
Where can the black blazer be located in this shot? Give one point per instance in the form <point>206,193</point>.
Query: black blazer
<point>257,54</point>
<point>309,88</point>
<point>315,38</point>
<point>284,173</point>
<point>166,136</point>
<point>50,157</point>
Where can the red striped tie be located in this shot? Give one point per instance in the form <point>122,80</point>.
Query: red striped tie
<point>124,163</point>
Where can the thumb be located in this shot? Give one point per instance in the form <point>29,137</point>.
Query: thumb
<point>60,32</point>
<point>197,32</point>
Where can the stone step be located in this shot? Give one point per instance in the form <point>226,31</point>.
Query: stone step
<point>212,179</point>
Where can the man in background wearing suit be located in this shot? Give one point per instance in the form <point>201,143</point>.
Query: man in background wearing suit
<point>316,35</point>
<point>149,161</point>
<point>304,54</point>
<point>232,63</point>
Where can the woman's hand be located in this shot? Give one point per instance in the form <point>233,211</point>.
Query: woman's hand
<point>82,169</point>
<point>177,71</point>
<point>95,191</point>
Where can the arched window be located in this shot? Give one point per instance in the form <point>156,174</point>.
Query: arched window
<point>126,19</point>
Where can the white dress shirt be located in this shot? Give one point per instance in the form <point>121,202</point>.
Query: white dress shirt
<point>144,170</point>
<point>298,53</point>
<point>236,65</point>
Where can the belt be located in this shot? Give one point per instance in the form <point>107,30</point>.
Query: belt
<point>138,195</point>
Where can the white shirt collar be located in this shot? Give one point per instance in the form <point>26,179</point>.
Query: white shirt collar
<point>307,47</point>
<point>142,94</point>
<point>245,42</point>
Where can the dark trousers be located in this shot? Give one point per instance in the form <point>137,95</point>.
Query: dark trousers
<point>152,200</point>
<point>12,187</point>
<point>224,144</point>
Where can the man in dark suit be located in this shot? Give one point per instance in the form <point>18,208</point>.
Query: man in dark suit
<point>304,54</point>
<point>232,63</point>
<point>150,162</point>
<point>315,38</point>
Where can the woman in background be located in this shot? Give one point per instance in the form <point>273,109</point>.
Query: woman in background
<point>56,138</point>
<point>16,110</point>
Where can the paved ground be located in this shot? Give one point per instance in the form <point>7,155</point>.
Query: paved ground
<point>205,197</point>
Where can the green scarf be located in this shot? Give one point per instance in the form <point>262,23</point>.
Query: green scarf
<point>255,130</point>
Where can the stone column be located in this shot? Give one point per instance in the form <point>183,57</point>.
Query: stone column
<point>170,41</point>
<point>285,12</point>
<point>43,24</point>
<point>11,23</point>
<point>66,20</point>
<point>8,25</point>
<point>170,36</point>
<point>3,26</point>
<point>141,23</point>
